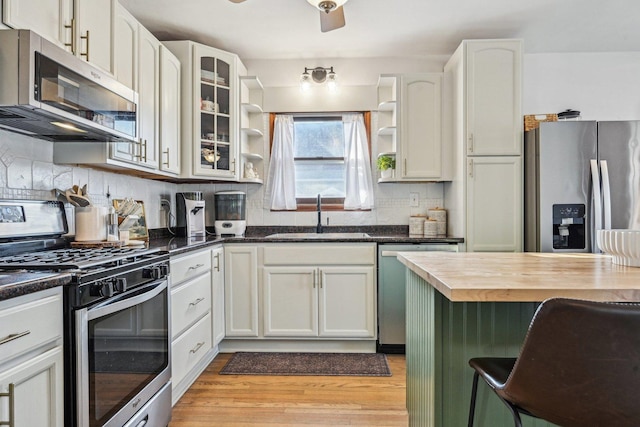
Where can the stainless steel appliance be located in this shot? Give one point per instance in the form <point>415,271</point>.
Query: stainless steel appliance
<point>231,213</point>
<point>391,292</point>
<point>116,318</point>
<point>48,93</point>
<point>190,214</point>
<point>580,176</point>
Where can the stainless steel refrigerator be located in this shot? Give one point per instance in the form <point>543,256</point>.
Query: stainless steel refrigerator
<point>580,176</point>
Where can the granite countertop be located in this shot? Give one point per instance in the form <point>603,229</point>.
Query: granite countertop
<point>377,234</point>
<point>14,284</point>
<point>524,277</point>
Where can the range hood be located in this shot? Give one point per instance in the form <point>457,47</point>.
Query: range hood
<point>48,93</point>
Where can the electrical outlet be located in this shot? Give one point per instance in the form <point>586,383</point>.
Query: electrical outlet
<point>414,200</point>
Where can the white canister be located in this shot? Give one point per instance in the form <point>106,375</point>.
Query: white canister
<point>440,216</point>
<point>416,224</point>
<point>430,228</point>
<point>91,223</point>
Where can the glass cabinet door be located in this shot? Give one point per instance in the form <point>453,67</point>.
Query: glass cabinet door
<point>217,155</point>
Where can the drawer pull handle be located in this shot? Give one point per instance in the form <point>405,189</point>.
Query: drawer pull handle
<point>11,395</point>
<point>12,337</point>
<point>217,257</point>
<point>197,347</point>
<point>196,302</point>
<point>195,267</point>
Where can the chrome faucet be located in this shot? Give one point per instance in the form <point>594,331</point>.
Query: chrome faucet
<point>319,209</point>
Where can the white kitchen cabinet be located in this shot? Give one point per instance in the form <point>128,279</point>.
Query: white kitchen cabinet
<point>148,98</point>
<point>169,112</point>
<point>319,290</point>
<point>290,301</point>
<point>483,125</point>
<point>84,27</point>
<point>241,290</point>
<point>217,295</point>
<point>494,203</point>
<point>93,31</point>
<point>46,17</point>
<point>137,62</point>
<point>192,346</point>
<point>31,359</point>
<point>125,47</point>
<point>493,92</point>
<point>410,126</point>
<point>420,152</point>
<point>210,110</point>
<point>252,130</point>
<point>319,301</point>
<point>347,305</point>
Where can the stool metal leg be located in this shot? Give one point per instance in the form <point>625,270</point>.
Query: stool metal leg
<point>474,392</point>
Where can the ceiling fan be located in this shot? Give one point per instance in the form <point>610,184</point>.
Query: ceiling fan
<point>331,13</point>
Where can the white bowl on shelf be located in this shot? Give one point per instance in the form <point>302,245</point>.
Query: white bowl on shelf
<point>623,245</point>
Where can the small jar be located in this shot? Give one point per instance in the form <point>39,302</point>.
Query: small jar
<point>430,228</point>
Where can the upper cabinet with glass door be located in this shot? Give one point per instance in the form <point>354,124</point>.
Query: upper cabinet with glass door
<point>209,111</point>
<point>84,27</point>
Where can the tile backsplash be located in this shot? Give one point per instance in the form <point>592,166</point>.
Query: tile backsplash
<point>27,171</point>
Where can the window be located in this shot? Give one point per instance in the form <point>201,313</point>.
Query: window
<point>318,149</point>
<point>319,158</point>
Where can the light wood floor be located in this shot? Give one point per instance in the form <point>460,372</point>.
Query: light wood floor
<point>253,400</point>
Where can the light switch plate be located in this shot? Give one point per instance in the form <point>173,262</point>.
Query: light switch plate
<point>414,200</point>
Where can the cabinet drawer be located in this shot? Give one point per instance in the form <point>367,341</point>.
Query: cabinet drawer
<point>190,348</point>
<point>190,266</point>
<point>189,302</point>
<point>29,322</point>
<point>299,254</point>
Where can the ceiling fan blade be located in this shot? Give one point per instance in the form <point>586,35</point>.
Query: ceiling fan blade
<point>236,1</point>
<point>332,20</point>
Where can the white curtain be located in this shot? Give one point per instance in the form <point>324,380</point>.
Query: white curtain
<point>359,191</point>
<point>282,177</point>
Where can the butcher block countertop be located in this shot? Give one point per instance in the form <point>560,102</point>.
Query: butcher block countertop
<point>524,277</point>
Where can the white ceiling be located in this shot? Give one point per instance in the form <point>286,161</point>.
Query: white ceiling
<point>287,29</point>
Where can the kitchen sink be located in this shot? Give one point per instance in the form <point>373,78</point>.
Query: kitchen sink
<point>318,236</point>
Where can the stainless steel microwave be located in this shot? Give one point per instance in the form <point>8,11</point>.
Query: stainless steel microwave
<point>48,93</point>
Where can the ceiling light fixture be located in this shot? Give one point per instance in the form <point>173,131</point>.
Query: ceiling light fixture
<point>327,5</point>
<point>318,75</point>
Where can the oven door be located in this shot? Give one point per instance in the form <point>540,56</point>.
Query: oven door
<point>123,355</point>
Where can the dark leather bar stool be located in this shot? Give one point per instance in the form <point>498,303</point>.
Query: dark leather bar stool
<point>579,366</point>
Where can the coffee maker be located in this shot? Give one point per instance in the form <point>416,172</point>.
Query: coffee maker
<point>190,214</point>
<point>231,213</point>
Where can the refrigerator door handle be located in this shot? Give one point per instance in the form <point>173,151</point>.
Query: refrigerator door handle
<point>606,194</point>
<point>597,201</point>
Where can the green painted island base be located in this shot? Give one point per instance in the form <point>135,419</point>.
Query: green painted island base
<point>441,338</point>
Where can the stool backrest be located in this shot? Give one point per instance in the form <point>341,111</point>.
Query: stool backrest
<point>580,364</point>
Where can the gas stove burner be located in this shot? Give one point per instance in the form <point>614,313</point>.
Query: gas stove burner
<point>75,259</point>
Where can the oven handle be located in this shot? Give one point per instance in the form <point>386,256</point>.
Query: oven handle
<point>126,300</point>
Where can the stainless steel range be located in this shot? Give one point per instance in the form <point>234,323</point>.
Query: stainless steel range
<point>117,361</point>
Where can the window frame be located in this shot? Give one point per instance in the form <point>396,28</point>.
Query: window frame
<point>328,203</point>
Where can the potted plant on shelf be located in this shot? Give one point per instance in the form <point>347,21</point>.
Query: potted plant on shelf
<point>386,164</point>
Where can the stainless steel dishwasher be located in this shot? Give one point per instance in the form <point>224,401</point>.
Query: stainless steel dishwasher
<point>391,292</point>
